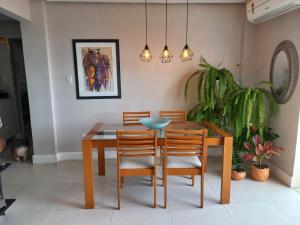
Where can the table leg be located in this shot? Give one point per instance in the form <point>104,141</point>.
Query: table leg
<point>226,170</point>
<point>87,156</point>
<point>101,161</point>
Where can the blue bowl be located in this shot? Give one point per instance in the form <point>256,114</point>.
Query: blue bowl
<point>155,123</point>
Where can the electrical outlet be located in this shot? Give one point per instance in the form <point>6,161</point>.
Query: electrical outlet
<point>69,80</point>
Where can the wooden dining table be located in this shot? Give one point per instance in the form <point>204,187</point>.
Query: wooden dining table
<point>103,135</point>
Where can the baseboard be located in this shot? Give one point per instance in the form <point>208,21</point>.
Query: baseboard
<point>64,156</point>
<point>281,175</point>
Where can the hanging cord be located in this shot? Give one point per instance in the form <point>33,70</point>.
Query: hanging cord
<point>146,15</point>
<point>187,21</point>
<point>166,22</point>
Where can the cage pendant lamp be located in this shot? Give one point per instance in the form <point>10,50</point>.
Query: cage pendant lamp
<point>186,53</point>
<point>146,55</point>
<point>166,56</point>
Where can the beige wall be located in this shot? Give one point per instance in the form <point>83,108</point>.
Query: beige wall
<point>267,36</point>
<point>215,32</point>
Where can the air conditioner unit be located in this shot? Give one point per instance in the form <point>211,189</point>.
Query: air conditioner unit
<point>259,11</point>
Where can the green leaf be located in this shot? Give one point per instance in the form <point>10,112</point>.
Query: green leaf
<point>199,87</point>
<point>188,82</point>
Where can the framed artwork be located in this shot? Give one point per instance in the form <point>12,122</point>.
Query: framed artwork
<point>97,68</point>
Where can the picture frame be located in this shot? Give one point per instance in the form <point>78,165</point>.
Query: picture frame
<point>97,68</point>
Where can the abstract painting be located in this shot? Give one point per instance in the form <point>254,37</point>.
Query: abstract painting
<point>97,68</point>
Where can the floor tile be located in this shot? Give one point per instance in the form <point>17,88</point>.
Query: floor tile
<point>186,195</point>
<point>139,195</point>
<point>28,218</point>
<point>276,191</point>
<point>292,208</point>
<point>110,173</point>
<point>80,217</point>
<point>40,197</point>
<point>261,213</point>
<point>25,173</point>
<point>10,191</point>
<point>215,215</point>
<point>104,196</point>
<point>141,216</point>
<point>54,194</point>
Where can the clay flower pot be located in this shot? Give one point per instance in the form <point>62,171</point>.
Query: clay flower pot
<point>238,175</point>
<point>260,173</point>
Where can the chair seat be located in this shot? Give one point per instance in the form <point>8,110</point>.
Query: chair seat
<point>136,162</point>
<point>183,162</point>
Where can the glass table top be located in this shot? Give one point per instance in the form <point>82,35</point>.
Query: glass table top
<point>108,131</point>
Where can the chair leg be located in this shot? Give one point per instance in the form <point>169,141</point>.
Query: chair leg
<point>122,181</point>
<point>154,184</point>
<point>119,186</point>
<point>165,191</point>
<point>193,180</point>
<point>152,178</point>
<point>202,190</point>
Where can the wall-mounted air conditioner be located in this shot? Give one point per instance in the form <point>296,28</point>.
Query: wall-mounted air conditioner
<point>259,11</point>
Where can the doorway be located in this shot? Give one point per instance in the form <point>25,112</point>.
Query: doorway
<point>21,93</point>
<point>15,125</point>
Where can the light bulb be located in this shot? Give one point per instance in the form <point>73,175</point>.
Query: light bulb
<point>146,55</point>
<point>166,55</point>
<point>186,54</point>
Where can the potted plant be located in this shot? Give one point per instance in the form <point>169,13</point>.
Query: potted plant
<point>258,151</point>
<point>250,107</point>
<point>238,169</point>
<point>232,107</point>
<point>213,90</point>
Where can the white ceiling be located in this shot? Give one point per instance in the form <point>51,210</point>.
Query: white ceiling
<point>152,1</point>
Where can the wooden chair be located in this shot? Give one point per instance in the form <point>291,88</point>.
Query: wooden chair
<point>136,156</point>
<point>133,118</point>
<point>176,116</point>
<point>184,153</point>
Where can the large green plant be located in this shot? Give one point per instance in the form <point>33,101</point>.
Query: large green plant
<point>250,106</point>
<point>213,90</point>
<point>221,100</point>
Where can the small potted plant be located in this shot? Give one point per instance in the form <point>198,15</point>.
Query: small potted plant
<point>258,151</point>
<point>238,170</point>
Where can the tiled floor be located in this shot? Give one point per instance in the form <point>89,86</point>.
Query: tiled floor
<point>53,195</point>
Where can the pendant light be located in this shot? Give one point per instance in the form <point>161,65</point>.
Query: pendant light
<point>186,53</point>
<point>146,55</point>
<point>166,55</point>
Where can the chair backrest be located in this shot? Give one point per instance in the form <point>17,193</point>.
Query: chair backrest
<point>185,143</point>
<point>133,118</point>
<point>136,143</point>
<point>176,116</point>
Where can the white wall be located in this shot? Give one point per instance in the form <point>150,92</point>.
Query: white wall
<point>18,9</point>
<point>267,36</point>
<point>34,37</point>
<point>215,32</point>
